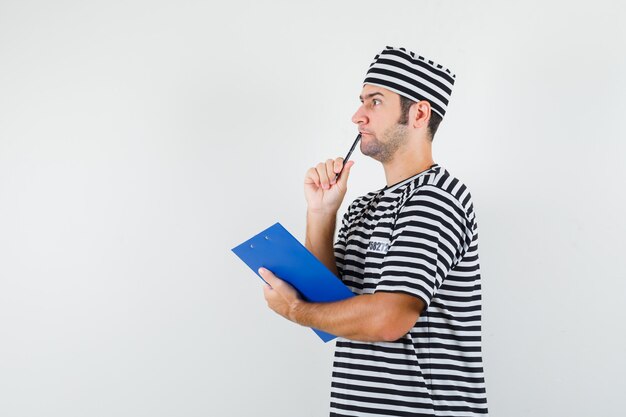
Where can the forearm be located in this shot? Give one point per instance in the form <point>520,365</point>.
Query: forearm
<point>382,316</point>
<point>365,318</point>
<point>320,232</point>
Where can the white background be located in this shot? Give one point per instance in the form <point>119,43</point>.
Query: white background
<point>141,140</point>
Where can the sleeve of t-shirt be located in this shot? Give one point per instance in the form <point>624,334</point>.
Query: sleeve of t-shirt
<point>428,240</point>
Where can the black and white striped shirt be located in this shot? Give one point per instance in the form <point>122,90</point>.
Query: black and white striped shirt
<point>417,237</point>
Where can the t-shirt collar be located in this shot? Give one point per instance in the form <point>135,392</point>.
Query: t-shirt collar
<point>394,187</point>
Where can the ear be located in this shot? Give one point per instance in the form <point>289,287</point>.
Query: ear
<point>419,114</point>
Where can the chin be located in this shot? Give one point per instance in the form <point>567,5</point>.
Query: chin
<point>374,154</point>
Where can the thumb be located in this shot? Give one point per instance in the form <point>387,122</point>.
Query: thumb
<point>267,275</point>
<point>345,173</point>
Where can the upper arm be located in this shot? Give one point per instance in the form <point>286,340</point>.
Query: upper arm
<point>397,313</point>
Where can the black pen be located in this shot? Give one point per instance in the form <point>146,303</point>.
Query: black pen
<point>358,137</point>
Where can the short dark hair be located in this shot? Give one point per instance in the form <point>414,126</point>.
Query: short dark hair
<point>433,123</point>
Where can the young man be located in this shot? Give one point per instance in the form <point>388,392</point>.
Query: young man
<point>410,341</point>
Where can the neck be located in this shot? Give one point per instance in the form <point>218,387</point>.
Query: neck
<point>408,162</point>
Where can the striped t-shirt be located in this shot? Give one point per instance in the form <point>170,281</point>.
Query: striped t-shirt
<point>417,237</point>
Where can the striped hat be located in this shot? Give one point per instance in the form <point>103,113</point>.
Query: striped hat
<point>412,76</point>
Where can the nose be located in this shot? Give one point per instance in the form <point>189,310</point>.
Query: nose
<point>359,117</point>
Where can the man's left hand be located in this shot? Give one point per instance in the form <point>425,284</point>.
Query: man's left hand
<point>280,296</point>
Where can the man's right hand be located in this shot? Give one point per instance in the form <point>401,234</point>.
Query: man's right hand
<point>323,194</point>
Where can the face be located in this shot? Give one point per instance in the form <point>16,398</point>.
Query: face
<point>377,119</point>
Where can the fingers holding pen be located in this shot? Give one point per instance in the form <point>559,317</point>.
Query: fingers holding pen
<point>342,178</point>
<point>333,168</point>
<point>323,174</point>
<point>337,165</point>
<point>326,174</point>
<point>330,171</point>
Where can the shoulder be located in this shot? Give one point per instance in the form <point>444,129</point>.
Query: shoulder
<point>441,190</point>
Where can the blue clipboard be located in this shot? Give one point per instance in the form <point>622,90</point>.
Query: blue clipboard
<point>277,250</point>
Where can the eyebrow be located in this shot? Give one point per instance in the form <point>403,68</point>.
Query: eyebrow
<point>371,95</point>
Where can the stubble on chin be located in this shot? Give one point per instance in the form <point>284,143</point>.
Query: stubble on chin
<point>383,151</point>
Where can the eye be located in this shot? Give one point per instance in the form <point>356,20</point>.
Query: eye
<point>376,102</point>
